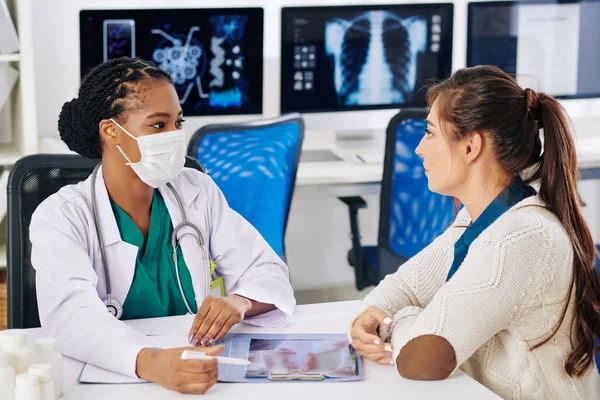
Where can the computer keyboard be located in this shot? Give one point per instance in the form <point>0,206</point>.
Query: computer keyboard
<point>371,157</point>
<point>318,156</point>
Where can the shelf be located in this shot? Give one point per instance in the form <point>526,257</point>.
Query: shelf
<point>10,57</point>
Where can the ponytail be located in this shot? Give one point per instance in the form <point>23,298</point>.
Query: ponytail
<point>557,173</point>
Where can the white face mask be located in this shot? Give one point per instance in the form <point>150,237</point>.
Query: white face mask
<point>163,156</point>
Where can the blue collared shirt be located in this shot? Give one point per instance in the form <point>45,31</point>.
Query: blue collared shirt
<point>517,191</point>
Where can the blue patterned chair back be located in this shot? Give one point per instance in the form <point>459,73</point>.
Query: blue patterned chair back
<point>413,215</point>
<point>254,164</point>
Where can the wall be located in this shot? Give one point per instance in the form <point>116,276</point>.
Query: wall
<point>318,230</point>
<point>56,47</point>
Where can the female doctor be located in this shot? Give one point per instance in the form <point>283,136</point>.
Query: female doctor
<point>114,242</point>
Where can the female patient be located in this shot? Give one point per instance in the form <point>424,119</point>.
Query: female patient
<point>509,292</point>
<point>128,114</point>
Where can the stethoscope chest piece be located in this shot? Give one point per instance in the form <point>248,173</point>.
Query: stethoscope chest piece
<point>114,308</point>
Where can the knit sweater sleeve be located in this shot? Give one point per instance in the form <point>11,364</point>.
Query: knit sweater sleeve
<point>415,282</point>
<point>500,270</point>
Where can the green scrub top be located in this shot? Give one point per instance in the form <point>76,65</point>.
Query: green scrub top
<point>154,291</point>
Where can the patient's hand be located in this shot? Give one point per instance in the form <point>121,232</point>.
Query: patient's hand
<point>366,340</point>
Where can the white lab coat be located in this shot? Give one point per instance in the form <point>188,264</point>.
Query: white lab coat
<point>70,277</point>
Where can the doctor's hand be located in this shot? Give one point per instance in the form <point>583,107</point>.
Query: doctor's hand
<point>166,368</point>
<point>215,318</point>
<point>365,337</point>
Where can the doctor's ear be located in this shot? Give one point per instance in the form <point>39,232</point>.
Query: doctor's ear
<point>109,131</point>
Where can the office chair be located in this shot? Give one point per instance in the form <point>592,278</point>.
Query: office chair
<point>254,164</point>
<point>31,181</point>
<point>411,216</point>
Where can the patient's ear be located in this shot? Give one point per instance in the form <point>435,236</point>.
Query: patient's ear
<point>472,146</point>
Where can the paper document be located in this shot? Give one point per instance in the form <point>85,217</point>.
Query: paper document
<point>92,374</point>
<point>548,47</point>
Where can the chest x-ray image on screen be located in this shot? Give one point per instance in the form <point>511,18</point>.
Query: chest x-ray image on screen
<point>348,57</point>
<point>215,64</point>
<point>375,57</point>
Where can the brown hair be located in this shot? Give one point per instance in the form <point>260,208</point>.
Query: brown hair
<point>486,99</point>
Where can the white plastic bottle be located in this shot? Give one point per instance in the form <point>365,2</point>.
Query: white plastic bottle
<point>46,353</point>
<point>27,387</point>
<point>12,343</point>
<point>23,357</point>
<point>12,338</point>
<point>7,379</point>
<point>44,373</point>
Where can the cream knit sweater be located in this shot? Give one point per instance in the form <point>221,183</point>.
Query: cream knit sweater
<point>506,296</point>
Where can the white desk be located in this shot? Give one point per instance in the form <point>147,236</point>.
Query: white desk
<point>349,171</point>
<point>380,381</point>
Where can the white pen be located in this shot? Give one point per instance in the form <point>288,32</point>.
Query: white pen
<point>198,355</point>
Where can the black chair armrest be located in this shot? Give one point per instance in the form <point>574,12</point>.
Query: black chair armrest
<point>355,203</point>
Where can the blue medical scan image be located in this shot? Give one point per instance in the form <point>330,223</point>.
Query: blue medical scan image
<point>375,57</point>
<point>215,66</point>
<point>363,57</point>
<point>118,39</point>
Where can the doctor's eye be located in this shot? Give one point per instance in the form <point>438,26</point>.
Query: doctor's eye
<point>179,123</point>
<point>159,125</point>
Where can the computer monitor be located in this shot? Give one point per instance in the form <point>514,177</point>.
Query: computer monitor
<point>550,45</point>
<point>214,55</point>
<point>353,58</point>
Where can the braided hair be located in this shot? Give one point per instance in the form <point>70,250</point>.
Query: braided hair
<point>107,91</point>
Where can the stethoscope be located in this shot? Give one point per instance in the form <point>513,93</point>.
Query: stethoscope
<point>113,306</point>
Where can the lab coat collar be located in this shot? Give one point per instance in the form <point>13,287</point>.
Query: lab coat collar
<point>188,193</point>
<point>186,190</point>
<point>110,230</point>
